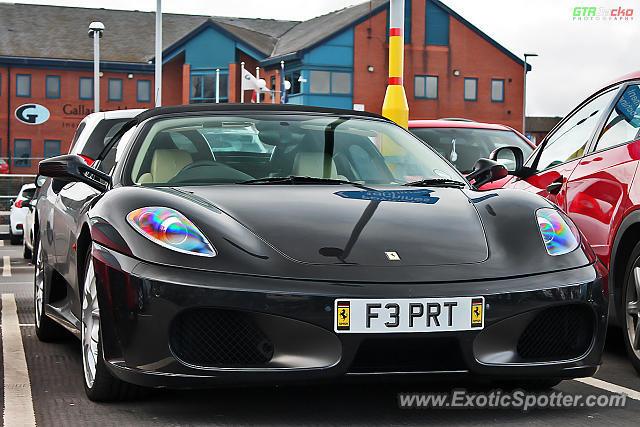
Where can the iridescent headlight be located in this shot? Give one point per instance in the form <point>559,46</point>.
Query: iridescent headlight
<point>559,235</point>
<point>169,228</point>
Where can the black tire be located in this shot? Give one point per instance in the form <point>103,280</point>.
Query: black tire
<point>26,252</point>
<point>630,319</point>
<point>103,387</point>
<point>47,330</point>
<point>15,240</point>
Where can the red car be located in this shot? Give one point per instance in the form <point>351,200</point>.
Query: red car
<point>4,166</point>
<point>588,166</point>
<point>463,142</point>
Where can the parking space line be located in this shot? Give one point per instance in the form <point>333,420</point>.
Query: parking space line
<point>6,265</point>
<point>614,388</point>
<point>18,403</point>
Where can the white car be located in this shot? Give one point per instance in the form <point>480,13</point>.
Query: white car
<point>18,212</point>
<point>96,130</point>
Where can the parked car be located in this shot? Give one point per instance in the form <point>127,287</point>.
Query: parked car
<point>28,235</point>
<point>18,211</point>
<point>352,249</point>
<point>4,166</point>
<point>96,130</point>
<point>463,142</point>
<point>588,166</point>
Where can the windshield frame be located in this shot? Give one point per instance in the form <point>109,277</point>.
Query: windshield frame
<point>125,167</point>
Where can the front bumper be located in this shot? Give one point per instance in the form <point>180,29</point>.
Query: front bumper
<point>143,307</point>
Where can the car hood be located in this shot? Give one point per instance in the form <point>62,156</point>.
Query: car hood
<point>348,225</point>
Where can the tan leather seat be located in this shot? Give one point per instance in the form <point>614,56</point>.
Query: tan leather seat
<point>312,164</point>
<point>165,164</point>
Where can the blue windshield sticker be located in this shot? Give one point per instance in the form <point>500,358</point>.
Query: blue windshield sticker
<point>407,196</point>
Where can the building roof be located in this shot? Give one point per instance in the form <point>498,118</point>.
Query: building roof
<point>308,33</point>
<point>542,124</point>
<point>26,31</point>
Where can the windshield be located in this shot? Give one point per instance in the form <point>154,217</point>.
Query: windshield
<point>464,146</point>
<point>233,149</point>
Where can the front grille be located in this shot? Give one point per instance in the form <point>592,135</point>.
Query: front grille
<point>557,333</point>
<point>408,355</point>
<point>210,337</point>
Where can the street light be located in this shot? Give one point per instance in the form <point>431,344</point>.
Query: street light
<point>95,30</point>
<point>524,93</point>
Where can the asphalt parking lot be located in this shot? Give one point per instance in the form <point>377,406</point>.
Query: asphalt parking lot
<point>57,395</point>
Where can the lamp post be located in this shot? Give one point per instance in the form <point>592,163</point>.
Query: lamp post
<point>95,30</point>
<point>395,105</point>
<point>158,53</point>
<point>524,93</point>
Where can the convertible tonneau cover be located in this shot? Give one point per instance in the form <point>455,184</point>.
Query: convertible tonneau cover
<point>196,108</point>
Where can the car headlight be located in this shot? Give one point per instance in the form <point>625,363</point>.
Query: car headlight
<point>169,228</point>
<point>559,234</point>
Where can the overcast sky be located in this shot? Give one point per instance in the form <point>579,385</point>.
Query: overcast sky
<point>576,58</point>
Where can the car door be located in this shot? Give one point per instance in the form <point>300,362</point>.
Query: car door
<point>598,189</point>
<point>562,149</point>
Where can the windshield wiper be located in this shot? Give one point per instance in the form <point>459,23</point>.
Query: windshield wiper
<point>296,180</point>
<point>436,182</point>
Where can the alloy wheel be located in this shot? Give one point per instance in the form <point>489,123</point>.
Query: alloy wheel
<point>90,325</point>
<point>39,286</point>
<point>632,304</point>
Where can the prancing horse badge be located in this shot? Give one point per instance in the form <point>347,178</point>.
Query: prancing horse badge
<point>392,256</point>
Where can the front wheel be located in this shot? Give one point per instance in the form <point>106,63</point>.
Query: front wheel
<point>99,384</point>
<point>630,308</point>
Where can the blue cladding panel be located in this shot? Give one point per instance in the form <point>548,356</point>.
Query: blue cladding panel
<point>437,25</point>
<point>331,101</point>
<point>335,52</point>
<point>210,49</point>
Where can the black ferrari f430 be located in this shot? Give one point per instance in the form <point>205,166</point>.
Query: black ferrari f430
<point>244,244</point>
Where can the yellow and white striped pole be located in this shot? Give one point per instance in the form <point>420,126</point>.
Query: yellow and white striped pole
<point>395,105</point>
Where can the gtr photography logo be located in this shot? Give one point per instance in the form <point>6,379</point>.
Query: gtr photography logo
<point>592,13</point>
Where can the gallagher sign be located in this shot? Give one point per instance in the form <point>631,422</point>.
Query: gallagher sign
<point>32,114</point>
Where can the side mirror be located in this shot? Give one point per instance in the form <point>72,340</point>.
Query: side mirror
<point>513,159</point>
<point>73,168</point>
<point>486,170</point>
<point>40,179</point>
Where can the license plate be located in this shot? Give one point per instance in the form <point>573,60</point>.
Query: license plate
<point>408,315</point>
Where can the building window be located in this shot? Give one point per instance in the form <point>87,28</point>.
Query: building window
<point>294,78</point>
<point>470,89</point>
<point>330,82</point>
<point>497,90</point>
<point>115,90</point>
<point>340,82</point>
<point>22,153</point>
<point>144,91</point>
<point>203,87</point>
<point>86,88</point>
<point>436,26</point>
<point>51,148</point>
<point>52,87</point>
<point>23,85</point>
<point>426,87</point>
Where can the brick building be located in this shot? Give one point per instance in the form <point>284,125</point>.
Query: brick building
<point>452,69</point>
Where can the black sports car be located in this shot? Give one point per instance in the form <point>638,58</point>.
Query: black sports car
<point>344,247</point>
